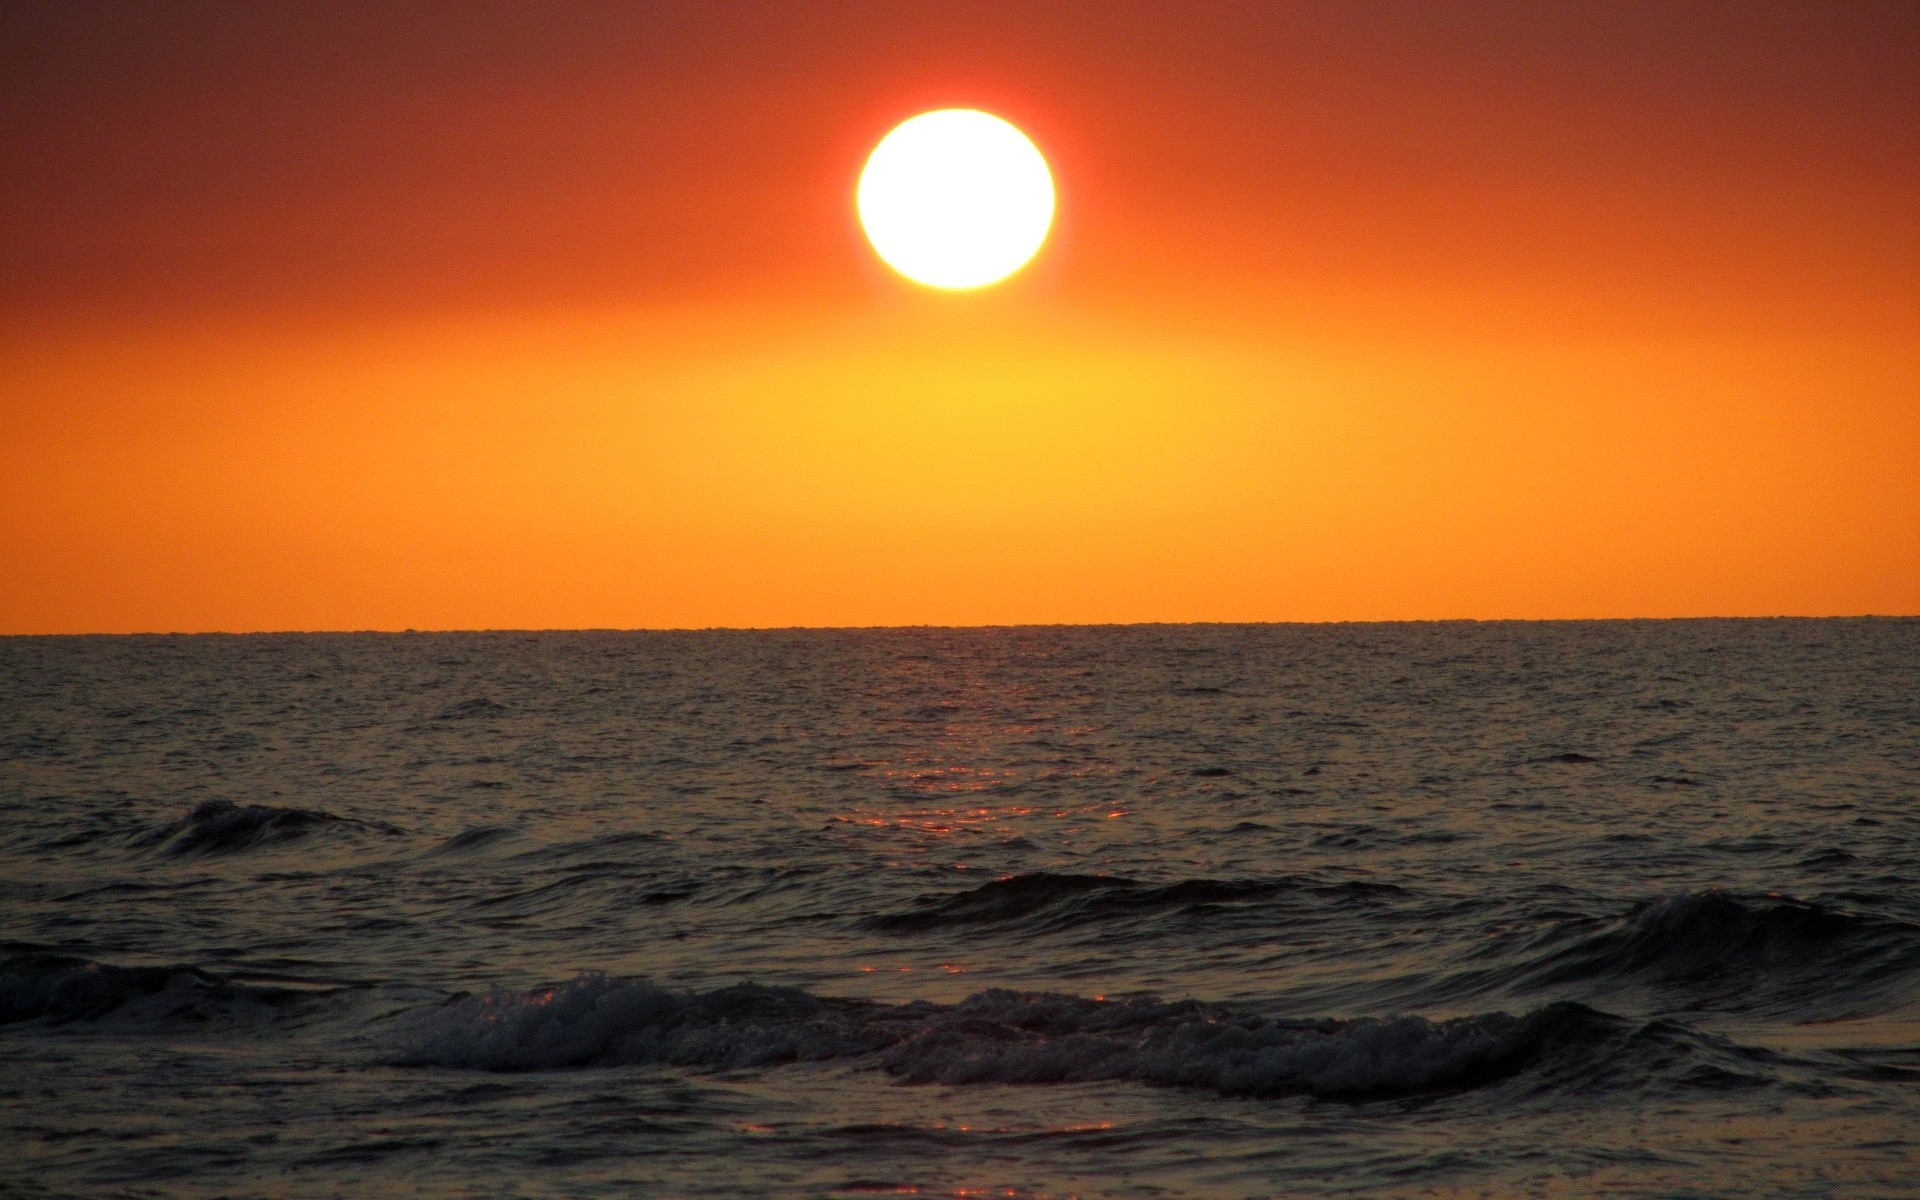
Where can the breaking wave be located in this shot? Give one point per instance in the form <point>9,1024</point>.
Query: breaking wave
<point>994,1036</point>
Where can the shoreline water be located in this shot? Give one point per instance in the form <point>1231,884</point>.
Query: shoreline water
<point>1612,908</point>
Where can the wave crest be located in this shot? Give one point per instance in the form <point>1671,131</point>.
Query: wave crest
<point>57,989</point>
<point>1063,900</point>
<point>222,827</point>
<point>991,1037</point>
<point>1743,953</point>
<point>600,1019</point>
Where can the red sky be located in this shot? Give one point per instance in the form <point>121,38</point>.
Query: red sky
<point>375,315</point>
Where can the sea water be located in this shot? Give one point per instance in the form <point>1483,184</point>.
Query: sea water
<point>1618,908</point>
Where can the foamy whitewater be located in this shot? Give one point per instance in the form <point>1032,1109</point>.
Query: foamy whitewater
<point>1623,908</point>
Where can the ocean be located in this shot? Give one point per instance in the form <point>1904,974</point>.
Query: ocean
<point>1452,909</point>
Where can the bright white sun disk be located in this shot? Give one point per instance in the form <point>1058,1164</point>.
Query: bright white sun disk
<point>956,199</point>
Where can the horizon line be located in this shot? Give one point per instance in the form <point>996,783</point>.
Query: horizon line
<point>1011,625</point>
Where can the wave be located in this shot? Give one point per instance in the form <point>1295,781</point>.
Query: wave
<point>994,1036</point>
<point>222,827</point>
<point>1724,951</point>
<point>477,838</point>
<point>1062,900</point>
<point>57,989</point>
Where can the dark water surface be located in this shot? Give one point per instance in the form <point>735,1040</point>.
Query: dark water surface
<point>1624,908</point>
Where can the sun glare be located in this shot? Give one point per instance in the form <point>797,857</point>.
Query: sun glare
<point>956,199</point>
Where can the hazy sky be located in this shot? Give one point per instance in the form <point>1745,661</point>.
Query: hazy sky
<point>385,315</point>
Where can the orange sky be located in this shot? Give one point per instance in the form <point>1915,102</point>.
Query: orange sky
<point>448,316</point>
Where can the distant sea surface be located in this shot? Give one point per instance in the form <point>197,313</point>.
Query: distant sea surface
<point>1617,908</point>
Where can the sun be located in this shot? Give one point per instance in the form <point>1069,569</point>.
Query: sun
<point>956,199</point>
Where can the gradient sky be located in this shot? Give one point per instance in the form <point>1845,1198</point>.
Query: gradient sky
<point>376,315</point>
